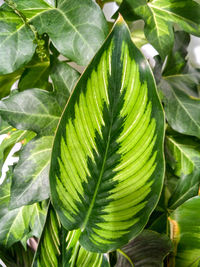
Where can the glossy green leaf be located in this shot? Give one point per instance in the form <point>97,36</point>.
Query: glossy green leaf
<point>30,182</point>
<point>6,82</point>
<point>35,76</point>
<point>76,28</point>
<point>34,109</point>
<point>64,78</point>
<point>18,223</point>
<point>184,157</point>
<point>31,175</point>
<point>147,249</point>
<point>159,16</point>
<point>16,42</point>
<point>107,165</point>
<point>187,81</point>
<point>185,225</point>
<point>57,247</point>
<point>181,109</point>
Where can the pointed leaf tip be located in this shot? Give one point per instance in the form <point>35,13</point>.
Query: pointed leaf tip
<point>120,19</point>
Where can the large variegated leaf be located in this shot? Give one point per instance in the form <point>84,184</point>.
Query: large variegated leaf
<point>185,232</point>
<point>57,247</point>
<point>159,16</point>
<point>107,161</point>
<point>76,28</point>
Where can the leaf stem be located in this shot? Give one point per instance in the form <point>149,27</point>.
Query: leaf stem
<point>126,256</point>
<point>13,6</point>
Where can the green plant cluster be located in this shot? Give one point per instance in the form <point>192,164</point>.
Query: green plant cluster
<point>109,165</point>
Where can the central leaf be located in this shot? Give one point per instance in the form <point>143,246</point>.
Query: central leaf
<point>107,161</point>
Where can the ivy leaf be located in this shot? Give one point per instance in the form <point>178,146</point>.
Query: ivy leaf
<point>184,157</point>
<point>16,42</point>
<point>159,16</point>
<point>15,224</point>
<point>181,109</point>
<point>57,247</point>
<point>185,224</point>
<point>30,182</point>
<point>110,140</point>
<point>147,249</point>
<point>77,37</point>
<point>36,110</point>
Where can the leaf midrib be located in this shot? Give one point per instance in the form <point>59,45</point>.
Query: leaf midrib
<point>46,11</point>
<point>178,146</point>
<point>32,114</point>
<point>181,104</point>
<point>100,178</point>
<point>171,13</point>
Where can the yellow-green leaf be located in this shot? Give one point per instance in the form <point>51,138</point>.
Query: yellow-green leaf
<point>107,162</point>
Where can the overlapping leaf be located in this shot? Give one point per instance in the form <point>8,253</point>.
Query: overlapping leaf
<point>12,137</point>
<point>184,157</point>
<point>147,249</point>
<point>77,29</point>
<point>64,78</point>
<point>30,177</point>
<point>57,247</point>
<point>35,76</point>
<point>18,223</point>
<point>185,225</point>
<point>181,109</point>
<point>30,182</point>
<point>6,82</point>
<point>34,109</point>
<point>159,16</point>
<point>107,166</point>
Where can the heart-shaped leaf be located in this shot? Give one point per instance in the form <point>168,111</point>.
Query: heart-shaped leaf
<point>76,28</point>
<point>107,165</point>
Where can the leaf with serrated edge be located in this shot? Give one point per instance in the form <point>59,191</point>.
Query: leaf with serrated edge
<point>107,162</point>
